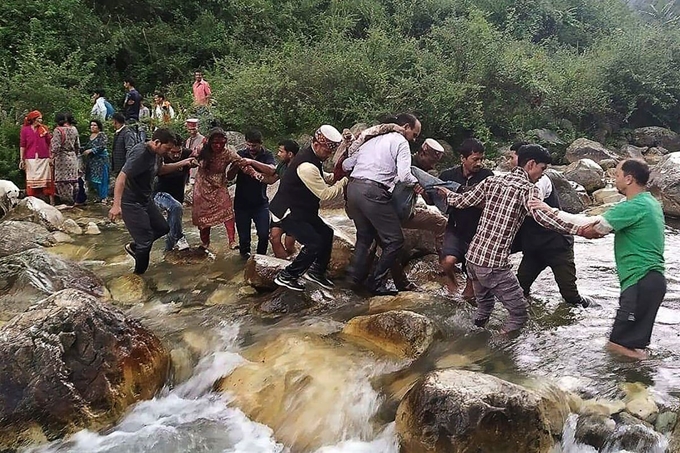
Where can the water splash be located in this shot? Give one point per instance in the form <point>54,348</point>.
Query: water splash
<point>186,418</point>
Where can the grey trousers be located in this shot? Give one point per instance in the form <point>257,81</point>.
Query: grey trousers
<point>490,283</point>
<point>369,204</point>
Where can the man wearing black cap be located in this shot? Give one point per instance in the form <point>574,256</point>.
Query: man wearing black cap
<point>296,207</point>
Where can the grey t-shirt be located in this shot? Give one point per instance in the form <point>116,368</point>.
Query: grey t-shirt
<point>140,169</point>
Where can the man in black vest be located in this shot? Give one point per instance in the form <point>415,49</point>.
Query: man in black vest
<point>543,248</point>
<point>296,206</point>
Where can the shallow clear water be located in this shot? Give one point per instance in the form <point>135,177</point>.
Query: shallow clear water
<point>560,345</point>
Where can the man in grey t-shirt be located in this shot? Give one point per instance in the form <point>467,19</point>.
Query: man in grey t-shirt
<point>132,197</point>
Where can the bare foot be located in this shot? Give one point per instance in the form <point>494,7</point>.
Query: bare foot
<point>638,354</point>
<point>233,245</point>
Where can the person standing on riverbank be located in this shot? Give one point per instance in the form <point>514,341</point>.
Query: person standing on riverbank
<point>638,224</point>
<point>506,204</point>
<point>132,195</point>
<point>193,143</point>
<point>201,90</point>
<point>35,157</point>
<point>296,207</point>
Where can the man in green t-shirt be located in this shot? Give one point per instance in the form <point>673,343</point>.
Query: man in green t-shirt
<point>638,226</point>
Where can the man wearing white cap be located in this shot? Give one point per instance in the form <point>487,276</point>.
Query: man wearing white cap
<point>296,206</point>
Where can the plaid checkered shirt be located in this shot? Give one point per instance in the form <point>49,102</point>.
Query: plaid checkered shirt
<point>505,200</point>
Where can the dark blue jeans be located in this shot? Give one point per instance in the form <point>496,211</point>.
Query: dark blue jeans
<point>243,218</point>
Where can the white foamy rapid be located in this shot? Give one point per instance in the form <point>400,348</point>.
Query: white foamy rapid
<point>188,418</point>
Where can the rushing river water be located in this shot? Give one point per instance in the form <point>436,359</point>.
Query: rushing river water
<point>356,393</point>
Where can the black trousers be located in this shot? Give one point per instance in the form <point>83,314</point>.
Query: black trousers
<point>145,223</point>
<point>259,215</point>
<point>369,204</point>
<point>561,261</point>
<point>317,244</point>
<point>638,306</point>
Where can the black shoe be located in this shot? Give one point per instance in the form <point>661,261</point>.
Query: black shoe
<point>585,302</point>
<point>130,249</point>
<point>384,291</point>
<point>289,282</point>
<point>245,256</point>
<point>319,279</point>
<point>481,322</point>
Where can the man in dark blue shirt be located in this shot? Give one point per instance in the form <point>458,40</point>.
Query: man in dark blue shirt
<point>132,101</point>
<point>250,202</point>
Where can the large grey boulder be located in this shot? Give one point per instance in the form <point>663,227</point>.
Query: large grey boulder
<point>570,200</point>
<point>586,173</point>
<point>457,411</point>
<point>582,148</point>
<point>399,332</point>
<point>633,152</point>
<point>664,183</point>
<point>32,209</point>
<point>261,270</point>
<point>654,136</point>
<point>73,362</point>
<point>34,274</point>
<point>18,236</point>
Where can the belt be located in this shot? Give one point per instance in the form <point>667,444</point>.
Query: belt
<point>370,182</point>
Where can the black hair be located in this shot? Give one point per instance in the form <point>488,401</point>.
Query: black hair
<point>70,119</point>
<point>206,151</point>
<point>517,145</point>
<point>160,95</point>
<point>118,118</point>
<point>471,146</point>
<point>164,136</point>
<point>60,118</point>
<point>402,119</point>
<point>537,153</point>
<point>98,123</point>
<point>178,140</point>
<point>636,168</point>
<point>129,80</point>
<point>254,136</point>
<point>290,146</point>
<point>100,92</point>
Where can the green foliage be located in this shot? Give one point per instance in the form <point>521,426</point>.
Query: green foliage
<point>493,69</point>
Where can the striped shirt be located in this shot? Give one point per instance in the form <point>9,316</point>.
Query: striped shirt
<point>505,199</point>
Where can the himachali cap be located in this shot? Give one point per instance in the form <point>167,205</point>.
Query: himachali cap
<point>434,145</point>
<point>192,121</point>
<point>329,136</point>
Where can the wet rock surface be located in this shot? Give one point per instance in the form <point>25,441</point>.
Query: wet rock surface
<point>33,274</point>
<point>570,200</point>
<point>594,429</point>
<point>129,289</point>
<point>458,411</point>
<point>17,236</point>
<point>261,270</point>
<point>583,148</point>
<point>32,209</point>
<point>72,362</point>
<point>399,332</point>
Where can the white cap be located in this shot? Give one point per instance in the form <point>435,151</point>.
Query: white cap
<point>331,133</point>
<point>192,120</point>
<point>434,145</point>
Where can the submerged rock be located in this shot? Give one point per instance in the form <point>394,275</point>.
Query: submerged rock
<point>400,332</point>
<point>17,236</point>
<point>192,255</point>
<point>594,430</point>
<point>639,402</point>
<point>32,209</point>
<point>129,289</point>
<point>456,411</point>
<point>284,301</point>
<point>633,438</point>
<point>74,362</point>
<point>34,274</point>
<point>343,248</point>
<point>582,148</point>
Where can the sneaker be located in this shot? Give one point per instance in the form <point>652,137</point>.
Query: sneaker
<point>320,280</point>
<point>586,301</point>
<point>130,249</point>
<point>289,282</point>
<point>182,244</point>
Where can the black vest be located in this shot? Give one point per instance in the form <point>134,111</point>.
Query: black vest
<point>293,195</point>
<point>532,237</point>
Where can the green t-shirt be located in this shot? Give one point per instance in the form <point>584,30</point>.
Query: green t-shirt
<point>639,237</point>
<point>281,169</point>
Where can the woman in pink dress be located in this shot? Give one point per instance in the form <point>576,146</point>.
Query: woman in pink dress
<point>35,157</point>
<point>212,203</point>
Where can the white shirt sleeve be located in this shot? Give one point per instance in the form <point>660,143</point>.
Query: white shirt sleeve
<point>602,226</point>
<point>311,177</point>
<point>544,186</point>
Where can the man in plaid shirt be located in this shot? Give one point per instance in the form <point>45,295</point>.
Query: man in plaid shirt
<point>506,204</point>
